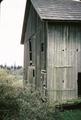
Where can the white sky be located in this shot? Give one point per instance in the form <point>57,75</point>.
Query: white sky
<point>11,21</point>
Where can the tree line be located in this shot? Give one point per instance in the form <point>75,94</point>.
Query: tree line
<point>12,67</point>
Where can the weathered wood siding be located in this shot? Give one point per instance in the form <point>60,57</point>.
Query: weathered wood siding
<point>63,60</point>
<point>35,32</point>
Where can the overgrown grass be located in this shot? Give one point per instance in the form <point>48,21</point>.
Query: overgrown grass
<point>9,79</point>
<point>19,103</point>
<point>9,107</point>
<point>24,105</point>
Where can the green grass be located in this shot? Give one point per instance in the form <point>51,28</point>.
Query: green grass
<point>71,115</point>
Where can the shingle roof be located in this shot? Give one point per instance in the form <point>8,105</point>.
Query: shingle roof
<point>58,9</point>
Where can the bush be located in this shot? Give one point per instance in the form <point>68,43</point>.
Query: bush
<point>9,107</point>
<point>20,103</point>
<point>32,107</point>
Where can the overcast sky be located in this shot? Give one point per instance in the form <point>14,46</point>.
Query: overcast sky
<point>11,21</point>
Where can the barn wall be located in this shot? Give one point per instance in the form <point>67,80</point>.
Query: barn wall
<point>63,60</point>
<point>34,32</point>
<point>39,56</point>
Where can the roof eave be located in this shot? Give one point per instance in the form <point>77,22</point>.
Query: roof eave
<point>60,20</point>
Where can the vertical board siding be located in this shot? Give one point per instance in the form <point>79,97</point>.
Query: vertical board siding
<point>32,23</point>
<point>36,32</point>
<point>63,60</point>
<point>25,74</point>
<point>26,58</point>
<point>38,60</point>
<point>42,52</point>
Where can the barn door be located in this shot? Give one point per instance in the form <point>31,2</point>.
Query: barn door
<point>66,75</point>
<point>64,83</point>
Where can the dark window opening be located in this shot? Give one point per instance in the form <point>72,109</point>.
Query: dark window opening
<point>30,51</point>
<point>30,45</point>
<point>42,47</point>
<point>62,81</point>
<point>79,84</point>
<point>33,73</point>
<point>30,56</point>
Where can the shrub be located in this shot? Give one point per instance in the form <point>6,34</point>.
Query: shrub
<point>9,107</point>
<point>32,108</point>
<point>18,103</point>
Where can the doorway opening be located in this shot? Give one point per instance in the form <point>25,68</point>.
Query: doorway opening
<point>79,84</point>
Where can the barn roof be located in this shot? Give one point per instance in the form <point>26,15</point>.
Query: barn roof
<point>58,9</point>
<point>55,10</point>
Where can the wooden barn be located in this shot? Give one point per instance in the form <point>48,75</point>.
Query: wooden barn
<point>52,47</point>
